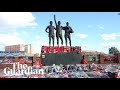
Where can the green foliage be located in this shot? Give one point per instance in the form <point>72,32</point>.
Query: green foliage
<point>113,50</point>
<point>37,55</point>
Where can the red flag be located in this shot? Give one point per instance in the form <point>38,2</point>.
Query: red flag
<point>65,49</point>
<point>21,61</point>
<point>48,49</point>
<point>60,49</point>
<point>39,63</point>
<point>43,55</point>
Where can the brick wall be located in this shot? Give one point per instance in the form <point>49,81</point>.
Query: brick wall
<point>118,61</point>
<point>101,59</point>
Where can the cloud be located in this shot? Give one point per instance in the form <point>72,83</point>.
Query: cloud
<point>10,39</point>
<point>37,37</point>
<point>38,43</point>
<point>25,33</point>
<point>81,35</point>
<point>2,47</point>
<point>33,27</point>
<point>13,39</point>
<point>112,36</point>
<point>90,26</point>
<point>84,45</point>
<point>10,20</point>
<point>111,44</point>
<point>43,38</point>
<point>101,26</point>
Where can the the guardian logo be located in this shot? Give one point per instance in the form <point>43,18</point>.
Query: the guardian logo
<point>20,69</point>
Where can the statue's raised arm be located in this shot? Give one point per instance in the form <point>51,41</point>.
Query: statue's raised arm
<point>55,20</point>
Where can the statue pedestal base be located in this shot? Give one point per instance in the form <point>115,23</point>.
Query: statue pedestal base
<point>61,55</point>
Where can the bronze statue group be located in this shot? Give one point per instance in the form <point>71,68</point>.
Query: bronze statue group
<point>68,30</point>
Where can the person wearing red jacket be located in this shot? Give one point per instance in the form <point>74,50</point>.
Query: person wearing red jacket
<point>84,61</point>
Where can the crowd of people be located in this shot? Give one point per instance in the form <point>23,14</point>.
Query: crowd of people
<point>6,61</point>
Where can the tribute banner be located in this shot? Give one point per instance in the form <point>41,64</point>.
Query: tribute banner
<point>48,49</point>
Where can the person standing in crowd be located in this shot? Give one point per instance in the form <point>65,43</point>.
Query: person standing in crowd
<point>84,60</point>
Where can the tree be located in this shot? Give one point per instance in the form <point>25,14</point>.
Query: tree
<point>37,55</point>
<point>113,50</point>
